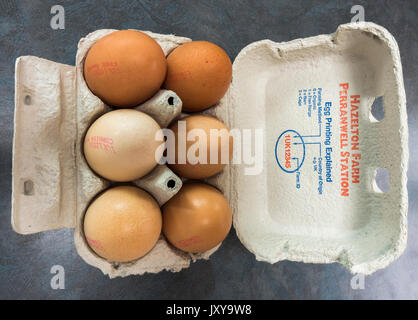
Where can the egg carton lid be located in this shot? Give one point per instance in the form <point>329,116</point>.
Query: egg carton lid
<point>316,198</point>
<point>310,201</point>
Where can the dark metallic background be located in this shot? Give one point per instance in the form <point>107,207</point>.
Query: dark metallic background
<point>232,272</point>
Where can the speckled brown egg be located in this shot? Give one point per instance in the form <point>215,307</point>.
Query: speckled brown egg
<point>200,72</point>
<point>125,68</point>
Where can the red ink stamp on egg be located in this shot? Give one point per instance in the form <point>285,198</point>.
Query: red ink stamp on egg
<point>94,243</point>
<point>102,143</point>
<point>188,242</point>
<point>110,67</point>
<point>106,67</point>
<point>184,75</point>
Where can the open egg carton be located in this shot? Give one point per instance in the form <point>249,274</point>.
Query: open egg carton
<point>311,201</point>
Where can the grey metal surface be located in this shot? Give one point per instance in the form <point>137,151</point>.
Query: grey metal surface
<point>232,272</point>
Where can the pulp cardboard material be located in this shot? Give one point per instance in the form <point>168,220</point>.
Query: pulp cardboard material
<point>315,199</point>
<point>322,149</point>
<point>52,182</point>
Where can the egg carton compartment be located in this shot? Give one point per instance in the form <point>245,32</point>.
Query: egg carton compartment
<point>283,213</point>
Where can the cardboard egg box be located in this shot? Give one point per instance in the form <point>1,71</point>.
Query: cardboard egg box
<point>315,198</point>
<point>52,182</point>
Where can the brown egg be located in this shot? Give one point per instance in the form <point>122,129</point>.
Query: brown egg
<point>122,145</point>
<point>123,224</point>
<point>197,218</point>
<point>125,68</point>
<point>204,167</point>
<point>200,73</point>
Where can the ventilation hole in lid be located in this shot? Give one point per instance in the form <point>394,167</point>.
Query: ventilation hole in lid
<point>171,184</point>
<point>382,180</point>
<point>171,101</point>
<point>377,110</point>
<point>28,99</point>
<point>28,188</point>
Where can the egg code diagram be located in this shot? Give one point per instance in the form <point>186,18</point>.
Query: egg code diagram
<point>293,146</point>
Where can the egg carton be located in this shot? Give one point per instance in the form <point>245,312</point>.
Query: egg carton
<point>301,206</point>
<point>52,182</point>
